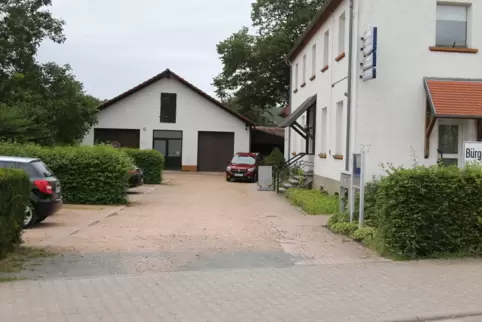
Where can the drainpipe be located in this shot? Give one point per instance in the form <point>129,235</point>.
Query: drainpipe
<point>350,77</point>
<point>289,103</point>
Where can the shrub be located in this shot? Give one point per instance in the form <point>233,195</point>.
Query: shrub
<point>344,228</point>
<point>364,234</point>
<point>312,201</point>
<point>88,174</point>
<point>428,210</point>
<point>150,161</point>
<point>337,218</point>
<point>14,197</point>
<point>276,159</point>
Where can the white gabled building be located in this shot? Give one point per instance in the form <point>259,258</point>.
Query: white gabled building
<point>426,98</point>
<point>194,131</point>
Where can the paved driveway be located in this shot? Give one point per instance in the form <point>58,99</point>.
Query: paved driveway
<point>201,249</point>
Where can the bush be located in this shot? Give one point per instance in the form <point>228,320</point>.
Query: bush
<point>364,234</point>
<point>337,218</point>
<point>276,159</point>
<point>424,211</point>
<point>312,201</point>
<point>344,228</point>
<point>88,174</point>
<point>14,197</point>
<point>150,161</point>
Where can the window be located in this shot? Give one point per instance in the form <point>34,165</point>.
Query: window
<point>448,143</point>
<point>243,159</point>
<point>326,48</point>
<point>313,60</point>
<point>303,79</point>
<point>168,107</point>
<point>451,25</point>
<point>339,128</point>
<point>296,76</point>
<point>324,129</point>
<point>341,33</point>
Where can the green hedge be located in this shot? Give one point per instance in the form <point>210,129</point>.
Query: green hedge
<point>425,211</point>
<point>14,197</point>
<point>313,202</point>
<point>150,161</point>
<point>88,175</point>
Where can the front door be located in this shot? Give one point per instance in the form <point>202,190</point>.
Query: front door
<point>450,141</point>
<point>169,143</point>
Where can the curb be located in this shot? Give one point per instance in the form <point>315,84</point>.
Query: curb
<point>439,317</point>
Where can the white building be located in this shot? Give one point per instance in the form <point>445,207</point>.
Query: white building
<point>194,131</point>
<point>426,97</point>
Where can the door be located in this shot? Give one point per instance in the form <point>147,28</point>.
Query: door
<point>127,138</point>
<point>169,143</point>
<point>450,142</point>
<point>215,149</point>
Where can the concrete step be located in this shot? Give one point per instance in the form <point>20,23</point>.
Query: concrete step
<point>294,182</point>
<point>299,177</point>
<point>288,185</point>
<point>282,190</point>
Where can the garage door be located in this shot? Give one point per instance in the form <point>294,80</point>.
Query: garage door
<point>126,137</point>
<point>214,150</point>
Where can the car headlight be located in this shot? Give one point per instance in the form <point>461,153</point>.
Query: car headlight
<point>228,168</point>
<point>250,169</point>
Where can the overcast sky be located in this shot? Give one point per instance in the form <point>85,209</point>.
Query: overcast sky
<point>113,45</point>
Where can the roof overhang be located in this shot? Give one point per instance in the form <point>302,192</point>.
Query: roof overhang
<point>320,18</point>
<point>455,98</point>
<point>290,120</point>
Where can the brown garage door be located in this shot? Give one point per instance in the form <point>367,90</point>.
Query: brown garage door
<point>214,150</point>
<point>126,137</point>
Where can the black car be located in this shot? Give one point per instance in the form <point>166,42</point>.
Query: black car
<point>45,196</point>
<point>136,177</point>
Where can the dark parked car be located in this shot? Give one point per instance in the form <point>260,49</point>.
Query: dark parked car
<point>243,166</point>
<point>46,194</point>
<point>136,177</point>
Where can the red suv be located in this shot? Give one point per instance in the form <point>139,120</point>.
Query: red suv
<point>243,166</point>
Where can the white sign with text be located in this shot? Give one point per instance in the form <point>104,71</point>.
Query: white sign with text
<point>472,152</point>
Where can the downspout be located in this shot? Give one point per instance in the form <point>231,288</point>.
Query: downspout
<point>289,104</point>
<point>350,77</point>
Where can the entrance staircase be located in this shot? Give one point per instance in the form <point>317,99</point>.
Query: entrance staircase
<point>297,173</point>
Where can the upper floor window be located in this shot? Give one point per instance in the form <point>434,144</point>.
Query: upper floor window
<point>326,47</point>
<point>313,60</point>
<point>296,76</point>
<point>168,107</point>
<point>452,25</point>
<point>303,75</point>
<point>341,34</point>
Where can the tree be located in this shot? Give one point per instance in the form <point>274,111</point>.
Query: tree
<point>41,103</point>
<point>256,75</point>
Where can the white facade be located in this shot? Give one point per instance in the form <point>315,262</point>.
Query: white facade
<point>141,110</point>
<point>388,113</point>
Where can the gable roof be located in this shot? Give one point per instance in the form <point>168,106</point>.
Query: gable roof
<point>170,74</point>
<point>320,18</point>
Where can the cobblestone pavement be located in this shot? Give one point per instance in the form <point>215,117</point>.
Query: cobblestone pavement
<point>342,292</point>
<point>202,249</point>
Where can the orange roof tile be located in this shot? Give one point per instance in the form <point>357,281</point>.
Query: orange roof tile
<point>455,97</point>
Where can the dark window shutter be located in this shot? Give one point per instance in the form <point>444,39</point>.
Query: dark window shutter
<point>168,107</point>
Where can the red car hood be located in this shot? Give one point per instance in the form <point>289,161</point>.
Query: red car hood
<point>241,166</point>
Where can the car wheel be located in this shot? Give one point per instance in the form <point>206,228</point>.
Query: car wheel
<point>30,218</point>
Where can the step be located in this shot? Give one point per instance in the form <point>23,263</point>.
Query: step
<point>299,177</point>
<point>295,182</point>
<point>282,190</point>
<point>288,185</point>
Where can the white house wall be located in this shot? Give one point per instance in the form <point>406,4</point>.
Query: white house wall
<point>390,112</point>
<point>141,110</point>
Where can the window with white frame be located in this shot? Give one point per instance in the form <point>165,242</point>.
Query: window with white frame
<point>303,75</point>
<point>449,142</point>
<point>296,76</point>
<point>341,33</point>
<point>452,25</point>
<point>326,48</point>
<point>313,60</point>
<point>339,129</point>
<point>324,130</point>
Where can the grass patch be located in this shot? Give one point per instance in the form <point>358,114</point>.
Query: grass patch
<point>313,202</point>
<point>14,262</point>
<point>11,279</point>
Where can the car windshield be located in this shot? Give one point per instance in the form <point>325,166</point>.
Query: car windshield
<point>243,159</point>
<point>42,169</point>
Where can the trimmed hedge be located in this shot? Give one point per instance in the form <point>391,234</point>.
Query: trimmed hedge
<point>426,211</point>
<point>150,161</point>
<point>88,175</point>
<point>14,197</point>
<point>313,201</point>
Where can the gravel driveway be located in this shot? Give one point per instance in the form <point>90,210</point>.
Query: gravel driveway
<point>193,222</point>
